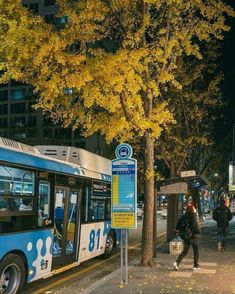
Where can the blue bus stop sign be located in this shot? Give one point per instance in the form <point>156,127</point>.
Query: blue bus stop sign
<point>124,189</point>
<point>123,151</point>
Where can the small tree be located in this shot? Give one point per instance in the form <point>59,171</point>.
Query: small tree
<point>106,66</point>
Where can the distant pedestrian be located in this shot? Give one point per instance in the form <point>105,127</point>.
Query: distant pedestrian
<point>222,215</point>
<point>188,229</point>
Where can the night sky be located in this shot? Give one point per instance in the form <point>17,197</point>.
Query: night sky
<point>224,128</point>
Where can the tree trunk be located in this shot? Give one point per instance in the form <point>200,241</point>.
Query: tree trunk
<point>147,235</point>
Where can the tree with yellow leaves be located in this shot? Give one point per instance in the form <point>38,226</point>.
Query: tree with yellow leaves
<point>106,66</point>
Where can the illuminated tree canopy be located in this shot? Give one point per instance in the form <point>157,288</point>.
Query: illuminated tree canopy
<point>108,64</point>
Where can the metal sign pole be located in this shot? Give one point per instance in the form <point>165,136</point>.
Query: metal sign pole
<point>122,264</point>
<point>124,256</point>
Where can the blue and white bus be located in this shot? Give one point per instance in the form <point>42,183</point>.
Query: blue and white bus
<point>55,208</point>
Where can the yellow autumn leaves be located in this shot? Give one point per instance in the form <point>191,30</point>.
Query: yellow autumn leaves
<point>117,57</point>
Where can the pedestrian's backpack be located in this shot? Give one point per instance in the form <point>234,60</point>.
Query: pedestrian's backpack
<point>188,233</point>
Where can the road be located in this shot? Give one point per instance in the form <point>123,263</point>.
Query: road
<point>92,270</point>
<point>135,235</point>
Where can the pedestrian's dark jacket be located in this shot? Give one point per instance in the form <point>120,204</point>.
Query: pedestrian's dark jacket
<point>222,215</point>
<point>191,218</point>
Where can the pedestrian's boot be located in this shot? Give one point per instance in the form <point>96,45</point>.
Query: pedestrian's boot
<point>219,245</point>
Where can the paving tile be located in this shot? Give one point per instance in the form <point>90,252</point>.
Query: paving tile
<point>205,271</point>
<point>180,274</point>
<point>202,263</point>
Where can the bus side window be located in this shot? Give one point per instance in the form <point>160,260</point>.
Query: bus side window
<point>3,203</point>
<point>86,210</point>
<point>43,202</point>
<point>98,209</point>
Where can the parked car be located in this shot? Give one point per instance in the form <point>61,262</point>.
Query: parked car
<point>140,212</point>
<point>164,213</point>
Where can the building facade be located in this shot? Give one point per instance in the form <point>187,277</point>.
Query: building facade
<point>20,122</point>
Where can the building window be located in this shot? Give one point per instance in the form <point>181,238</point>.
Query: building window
<point>81,145</point>
<point>18,108</point>
<point>49,18</point>
<point>62,133</point>
<point>3,122</point>
<point>33,7</point>
<point>58,134</point>
<point>21,135</point>
<point>18,94</point>
<point>32,121</point>
<point>31,104</point>
<point>3,109</point>
<point>32,133</point>
<point>18,122</point>
<point>4,95</point>
<point>49,2</point>
<point>47,122</point>
<point>47,132</point>
<point>4,134</point>
<point>60,22</point>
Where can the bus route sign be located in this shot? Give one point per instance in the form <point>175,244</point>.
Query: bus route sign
<point>124,188</point>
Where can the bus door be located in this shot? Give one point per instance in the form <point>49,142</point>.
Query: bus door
<point>66,225</point>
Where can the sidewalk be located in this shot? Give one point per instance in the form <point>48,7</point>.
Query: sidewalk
<point>216,276</point>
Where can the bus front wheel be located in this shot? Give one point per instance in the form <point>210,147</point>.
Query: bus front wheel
<point>12,274</point>
<point>110,242</point>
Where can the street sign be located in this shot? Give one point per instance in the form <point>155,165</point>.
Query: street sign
<point>187,173</point>
<point>176,188</point>
<point>124,190</point>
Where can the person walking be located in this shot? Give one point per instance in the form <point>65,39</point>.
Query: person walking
<point>222,215</point>
<point>188,229</point>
